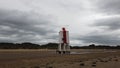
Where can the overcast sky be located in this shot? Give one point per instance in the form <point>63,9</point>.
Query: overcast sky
<point>39,21</point>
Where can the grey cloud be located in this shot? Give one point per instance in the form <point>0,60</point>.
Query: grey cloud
<point>108,6</point>
<point>101,39</point>
<point>109,35</point>
<point>112,23</point>
<point>23,26</point>
<point>23,21</point>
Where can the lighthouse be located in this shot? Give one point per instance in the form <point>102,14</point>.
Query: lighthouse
<point>64,45</point>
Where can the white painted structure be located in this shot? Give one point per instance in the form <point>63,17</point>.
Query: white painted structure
<point>64,44</point>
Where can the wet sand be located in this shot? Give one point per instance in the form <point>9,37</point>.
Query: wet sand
<point>49,59</point>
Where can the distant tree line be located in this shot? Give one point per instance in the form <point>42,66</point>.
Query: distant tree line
<point>93,46</point>
<point>28,45</point>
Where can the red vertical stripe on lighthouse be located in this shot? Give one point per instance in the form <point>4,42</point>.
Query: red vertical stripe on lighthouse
<point>64,36</point>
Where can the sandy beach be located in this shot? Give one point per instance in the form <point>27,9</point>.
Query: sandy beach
<point>49,59</point>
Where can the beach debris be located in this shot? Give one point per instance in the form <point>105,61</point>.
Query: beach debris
<point>93,65</point>
<point>116,60</point>
<point>82,64</point>
<point>36,67</point>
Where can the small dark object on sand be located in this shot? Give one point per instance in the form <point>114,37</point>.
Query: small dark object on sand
<point>82,64</point>
<point>93,65</point>
<point>49,67</point>
<point>116,59</point>
<point>36,67</point>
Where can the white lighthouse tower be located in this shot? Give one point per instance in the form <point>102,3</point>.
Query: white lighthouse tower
<point>64,45</point>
